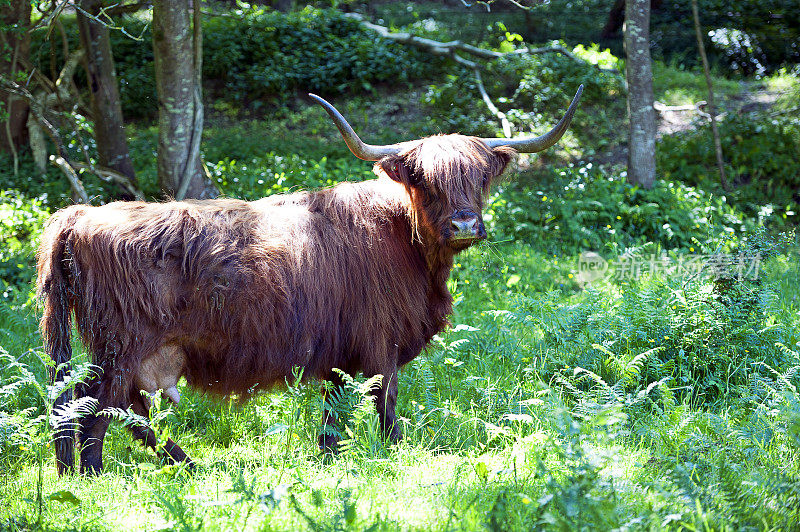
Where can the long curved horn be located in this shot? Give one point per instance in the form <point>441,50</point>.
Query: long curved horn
<point>532,145</point>
<point>368,152</point>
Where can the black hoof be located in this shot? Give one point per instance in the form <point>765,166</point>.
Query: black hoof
<point>328,444</point>
<point>91,469</point>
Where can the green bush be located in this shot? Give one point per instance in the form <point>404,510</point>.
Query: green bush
<point>255,55</point>
<point>760,156</point>
<point>590,210</point>
<point>21,222</point>
<point>261,54</point>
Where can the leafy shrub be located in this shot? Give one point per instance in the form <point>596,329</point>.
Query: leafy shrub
<point>748,37</point>
<point>680,332</point>
<point>760,156</point>
<point>590,211</point>
<point>263,54</point>
<point>255,55</point>
<point>757,36</point>
<point>21,222</point>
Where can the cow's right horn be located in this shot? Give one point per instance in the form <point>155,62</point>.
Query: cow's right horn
<point>360,149</point>
<point>535,144</point>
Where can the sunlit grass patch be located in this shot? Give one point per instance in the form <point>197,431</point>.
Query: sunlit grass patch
<point>676,86</point>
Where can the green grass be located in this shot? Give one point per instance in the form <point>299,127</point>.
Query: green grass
<point>646,404</point>
<point>502,427</point>
<point>676,86</point>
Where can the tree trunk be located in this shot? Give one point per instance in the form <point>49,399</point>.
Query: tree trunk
<point>712,108</point>
<point>639,74</point>
<point>109,130</point>
<point>15,46</point>
<point>616,18</point>
<point>177,49</point>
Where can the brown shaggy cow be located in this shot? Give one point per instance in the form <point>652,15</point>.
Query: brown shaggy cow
<point>232,295</point>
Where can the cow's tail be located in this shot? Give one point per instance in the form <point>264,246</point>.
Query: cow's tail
<point>53,284</point>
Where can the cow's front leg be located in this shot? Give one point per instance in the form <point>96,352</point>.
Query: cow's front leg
<point>328,441</point>
<point>385,402</point>
<point>171,450</point>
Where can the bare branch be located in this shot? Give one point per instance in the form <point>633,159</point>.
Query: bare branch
<point>711,106</point>
<point>62,160</point>
<point>104,18</point>
<point>9,136</point>
<point>47,21</point>
<point>492,108</point>
<point>126,9</point>
<point>72,177</point>
<point>517,4</point>
<point>450,48</point>
<point>434,47</point>
<point>111,176</point>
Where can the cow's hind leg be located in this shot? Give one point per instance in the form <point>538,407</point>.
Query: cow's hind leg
<point>92,429</point>
<point>146,435</point>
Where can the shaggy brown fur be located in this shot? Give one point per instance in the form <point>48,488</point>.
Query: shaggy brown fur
<point>232,294</point>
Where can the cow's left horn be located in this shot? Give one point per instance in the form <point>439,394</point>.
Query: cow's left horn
<point>368,152</point>
<point>532,145</point>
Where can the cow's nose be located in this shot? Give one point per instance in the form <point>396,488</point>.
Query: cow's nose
<point>465,224</point>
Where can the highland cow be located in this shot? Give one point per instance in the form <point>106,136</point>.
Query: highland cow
<point>232,294</point>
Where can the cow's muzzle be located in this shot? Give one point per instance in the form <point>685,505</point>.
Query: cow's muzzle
<point>466,225</point>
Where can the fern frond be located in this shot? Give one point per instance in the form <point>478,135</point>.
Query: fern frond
<point>66,415</point>
<point>127,417</point>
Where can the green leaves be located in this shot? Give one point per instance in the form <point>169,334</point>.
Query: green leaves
<point>64,496</point>
<point>592,210</point>
<point>21,222</point>
<point>264,54</point>
<point>761,160</point>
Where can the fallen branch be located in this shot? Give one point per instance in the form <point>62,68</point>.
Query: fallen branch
<point>450,48</point>
<point>663,108</point>
<point>699,108</point>
<point>785,111</point>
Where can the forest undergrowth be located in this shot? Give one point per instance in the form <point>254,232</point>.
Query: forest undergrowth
<point>556,400</point>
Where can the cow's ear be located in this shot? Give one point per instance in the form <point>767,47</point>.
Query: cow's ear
<point>504,155</point>
<point>395,167</point>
